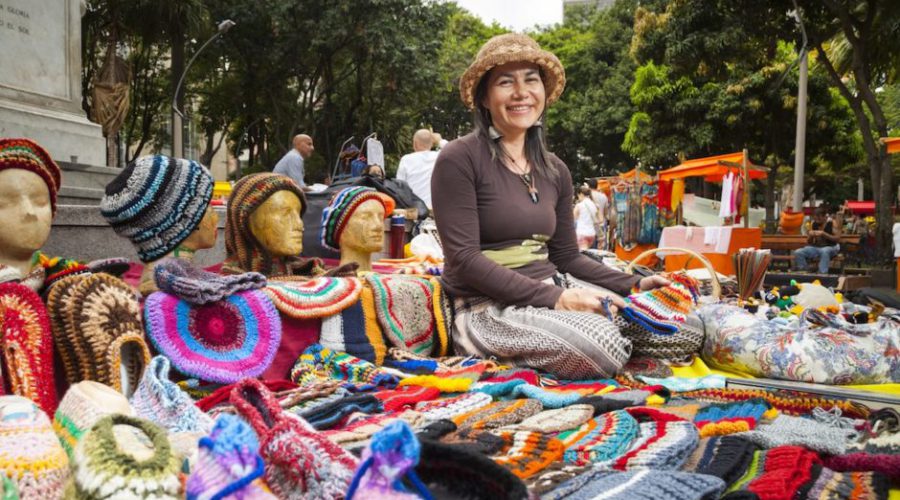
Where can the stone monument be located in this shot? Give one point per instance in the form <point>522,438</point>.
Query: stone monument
<point>40,92</point>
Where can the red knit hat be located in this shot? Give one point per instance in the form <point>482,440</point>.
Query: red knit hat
<point>26,154</point>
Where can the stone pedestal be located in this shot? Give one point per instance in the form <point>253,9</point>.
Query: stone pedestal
<point>40,81</point>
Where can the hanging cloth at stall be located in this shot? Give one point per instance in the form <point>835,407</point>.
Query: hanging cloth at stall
<point>677,193</point>
<point>738,198</point>
<point>725,209</point>
<point>620,206</point>
<point>649,230</point>
<point>664,198</point>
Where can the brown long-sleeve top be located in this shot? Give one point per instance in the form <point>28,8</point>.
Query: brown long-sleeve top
<point>481,205</point>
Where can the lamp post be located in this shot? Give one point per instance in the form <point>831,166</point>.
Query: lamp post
<point>177,115</point>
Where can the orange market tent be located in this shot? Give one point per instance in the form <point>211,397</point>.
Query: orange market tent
<point>631,174</point>
<point>892,143</point>
<point>713,168</point>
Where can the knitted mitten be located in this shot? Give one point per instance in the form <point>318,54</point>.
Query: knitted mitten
<point>148,469</point>
<point>300,462</point>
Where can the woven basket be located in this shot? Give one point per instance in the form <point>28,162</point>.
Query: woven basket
<point>716,286</point>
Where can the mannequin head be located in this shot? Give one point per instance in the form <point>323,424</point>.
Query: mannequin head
<point>277,225</point>
<point>353,223</point>
<point>159,203</point>
<point>264,226</point>
<point>205,234</point>
<point>29,180</point>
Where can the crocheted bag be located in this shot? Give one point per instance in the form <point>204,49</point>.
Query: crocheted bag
<point>148,469</point>
<point>98,330</point>
<point>162,402</point>
<point>405,308</point>
<point>27,346</point>
<point>229,465</point>
<point>392,455</point>
<point>30,453</point>
<point>315,298</point>
<point>300,462</point>
<point>84,404</point>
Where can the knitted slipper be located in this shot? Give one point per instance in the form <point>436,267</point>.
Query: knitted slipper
<point>162,402</point>
<point>222,342</point>
<point>30,453</point>
<point>229,465</point>
<point>300,462</point>
<point>391,456</point>
<point>148,469</point>
<point>84,404</point>
<point>316,298</point>
<point>27,345</point>
<point>192,284</point>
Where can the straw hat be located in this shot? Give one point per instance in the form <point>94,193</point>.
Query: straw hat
<point>507,48</point>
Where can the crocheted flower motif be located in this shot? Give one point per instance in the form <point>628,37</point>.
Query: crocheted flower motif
<point>222,342</point>
<point>316,298</point>
<point>27,346</point>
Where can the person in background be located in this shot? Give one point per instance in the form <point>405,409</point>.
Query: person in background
<point>823,241</point>
<point>291,164</point>
<point>585,219</point>
<point>602,201</point>
<point>416,168</point>
<point>374,171</point>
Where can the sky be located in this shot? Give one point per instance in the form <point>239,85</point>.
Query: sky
<point>517,15</point>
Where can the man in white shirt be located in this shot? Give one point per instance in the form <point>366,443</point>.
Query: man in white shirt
<point>416,168</point>
<point>291,164</point>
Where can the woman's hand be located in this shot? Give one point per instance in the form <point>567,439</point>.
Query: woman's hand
<point>584,300</point>
<point>653,282</point>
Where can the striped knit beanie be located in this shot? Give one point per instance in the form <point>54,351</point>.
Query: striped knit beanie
<point>30,453</point>
<point>84,404</point>
<point>244,252</point>
<point>602,439</point>
<point>103,469</point>
<point>341,208</point>
<point>664,441</point>
<point>639,485</point>
<point>726,457</point>
<point>157,202</point>
<point>26,154</point>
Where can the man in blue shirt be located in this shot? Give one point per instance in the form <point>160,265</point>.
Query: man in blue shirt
<point>291,164</point>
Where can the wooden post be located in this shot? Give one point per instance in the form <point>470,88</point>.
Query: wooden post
<point>746,201</point>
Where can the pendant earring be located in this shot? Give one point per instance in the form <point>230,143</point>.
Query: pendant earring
<point>493,133</point>
<point>538,123</point>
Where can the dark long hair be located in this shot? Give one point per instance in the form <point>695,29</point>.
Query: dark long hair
<point>535,141</point>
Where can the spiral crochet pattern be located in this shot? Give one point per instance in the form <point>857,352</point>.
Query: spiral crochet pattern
<point>27,345</point>
<point>221,342</point>
<point>30,453</point>
<point>316,298</point>
<point>157,202</point>
<point>28,155</point>
<point>341,208</point>
<point>97,328</point>
<point>103,470</point>
<point>244,252</point>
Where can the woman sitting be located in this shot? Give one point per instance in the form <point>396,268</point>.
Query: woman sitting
<point>503,208</point>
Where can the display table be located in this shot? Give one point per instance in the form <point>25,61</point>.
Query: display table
<point>717,244</point>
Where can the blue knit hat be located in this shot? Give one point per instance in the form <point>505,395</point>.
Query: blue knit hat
<point>157,202</point>
<point>341,208</point>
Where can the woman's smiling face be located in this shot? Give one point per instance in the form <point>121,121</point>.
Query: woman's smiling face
<point>515,96</point>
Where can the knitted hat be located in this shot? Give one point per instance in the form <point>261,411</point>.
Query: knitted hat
<point>98,332</point>
<point>30,453</point>
<point>850,485</point>
<point>229,465</point>
<point>103,469</point>
<point>664,441</point>
<point>507,48</point>
<point>726,457</point>
<point>27,345</point>
<point>779,473</point>
<point>799,431</point>
<point>604,438</point>
<point>188,282</point>
<point>330,414</point>
<point>557,420</point>
<point>315,298</point>
<point>359,428</point>
<point>318,363</point>
<point>639,485</point>
<point>447,408</point>
<point>405,397</point>
<point>342,206</point>
<point>300,462</point>
<point>498,414</point>
<point>28,155</point>
<point>244,251</point>
<point>220,342</point>
<point>157,202</point>
<point>729,418</point>
<point>84,404</point>
<point>466,474</point>
<point>526,453</point>
<point>355,329</point>
<point>162,402</point>
<point>405,309</point>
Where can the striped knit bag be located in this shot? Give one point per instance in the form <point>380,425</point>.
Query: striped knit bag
<point>405,309</point>
<point>301,463</point>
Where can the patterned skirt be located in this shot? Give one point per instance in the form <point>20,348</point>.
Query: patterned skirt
<point>569,345</point>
